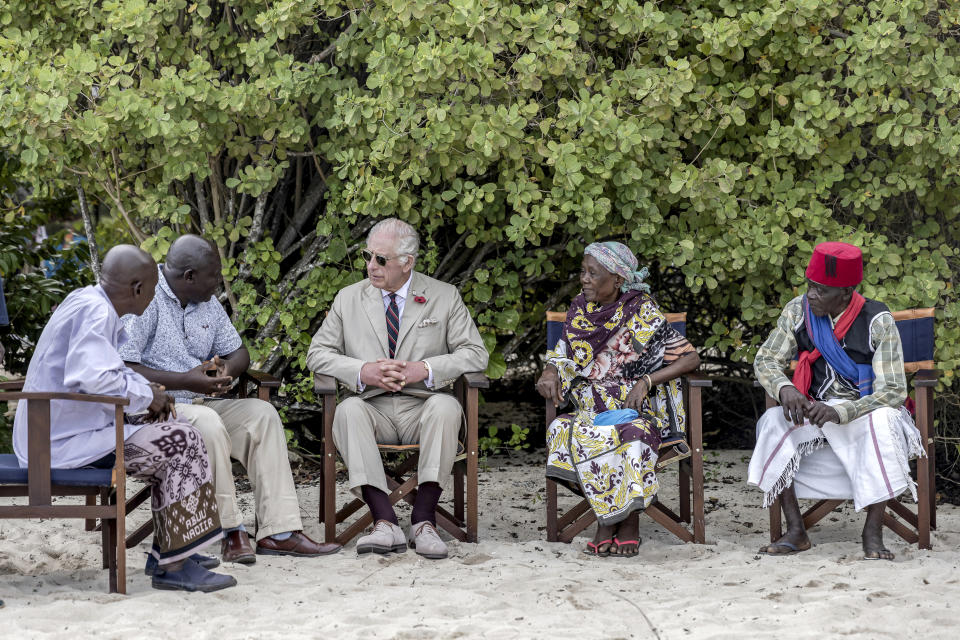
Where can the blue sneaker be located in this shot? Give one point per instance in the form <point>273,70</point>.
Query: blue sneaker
<point>207,562</point>
<point>192,577</point>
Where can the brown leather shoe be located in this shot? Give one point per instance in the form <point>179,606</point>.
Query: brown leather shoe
<point>236,547</point>
<point>298,544</point>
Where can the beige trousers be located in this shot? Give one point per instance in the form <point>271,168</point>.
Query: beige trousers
<point>359,425</point>
<point>250,431</point>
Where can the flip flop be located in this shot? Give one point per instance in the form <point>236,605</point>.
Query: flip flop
<point>620,543</point>
<point>596,549</point>
<point>791,549</point>
<point>877,557</point>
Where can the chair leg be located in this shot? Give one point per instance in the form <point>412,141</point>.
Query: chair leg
<point>328,486</point>
<point>458,490</point>
<point>552,533</point>
<point>471,411</point>
<point>926,493</point>
<point>111,527</point>
<point>696,465</point>
<point>90,524</point>
<point>120,539</point>
<point>684,473</point>
<point>776,526</point>
<point>105,540</point>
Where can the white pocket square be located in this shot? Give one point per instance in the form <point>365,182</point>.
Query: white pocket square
<point>426,322</point>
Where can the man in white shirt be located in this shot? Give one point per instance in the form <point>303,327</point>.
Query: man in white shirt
<point>395,341</point>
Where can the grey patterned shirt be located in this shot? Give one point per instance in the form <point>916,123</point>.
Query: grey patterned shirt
<point>169,337</point>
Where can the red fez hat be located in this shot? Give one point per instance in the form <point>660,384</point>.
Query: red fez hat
<point>836,264</point>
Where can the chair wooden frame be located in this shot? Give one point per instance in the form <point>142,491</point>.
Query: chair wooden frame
<point>916,526</point>
<point>461,524</point>
<point>264,383</point>
<point>689,525</point>
<point>40,490</point>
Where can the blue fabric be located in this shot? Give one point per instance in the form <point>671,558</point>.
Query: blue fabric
<point>916,336</point>
<point>4,318</point>
<point>11,473</point>
<point>615,416</point>
<point>821,332</point>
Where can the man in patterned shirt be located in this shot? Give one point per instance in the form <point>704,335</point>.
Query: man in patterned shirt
<point>185,341</point>
<point>841,431</point>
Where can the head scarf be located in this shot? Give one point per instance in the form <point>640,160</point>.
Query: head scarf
<point>617,258</point>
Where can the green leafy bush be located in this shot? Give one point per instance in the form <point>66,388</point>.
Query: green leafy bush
<point>721,138</point>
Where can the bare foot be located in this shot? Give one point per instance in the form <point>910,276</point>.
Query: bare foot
<point>872,535</point>
<point>873,548</point>
<point>627,540</point>
<point>788,544</point>
<point>602,541</point>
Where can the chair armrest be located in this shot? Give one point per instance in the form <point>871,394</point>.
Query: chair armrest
<point>324,385</point>
<point>926,378</point>
<point>260,378</point>
<point>476,380</point>
<point>12,385</point>
<point>698,380</point>
<point>76,397</point>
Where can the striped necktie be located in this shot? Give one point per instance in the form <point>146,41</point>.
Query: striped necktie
<point>393,324</point>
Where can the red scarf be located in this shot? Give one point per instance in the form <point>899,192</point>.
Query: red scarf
<point>803,376</point>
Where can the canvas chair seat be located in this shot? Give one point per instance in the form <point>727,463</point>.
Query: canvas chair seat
<point>11,473</point>
<point>687,525</point>
<point>916,328</point>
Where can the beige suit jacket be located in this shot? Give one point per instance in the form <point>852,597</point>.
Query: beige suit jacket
<point>439,331</point>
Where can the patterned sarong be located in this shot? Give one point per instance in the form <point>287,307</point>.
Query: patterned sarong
<point>171,457</point>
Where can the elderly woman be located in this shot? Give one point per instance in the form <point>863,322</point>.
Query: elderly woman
<point>619,361</point>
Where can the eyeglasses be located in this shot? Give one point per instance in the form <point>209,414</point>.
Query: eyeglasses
<point>381,260</point>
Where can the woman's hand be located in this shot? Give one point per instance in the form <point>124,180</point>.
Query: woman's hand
<point>549,385</point>
<point>637,395</point>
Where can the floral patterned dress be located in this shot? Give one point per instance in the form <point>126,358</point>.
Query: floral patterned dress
<point>603,352</point>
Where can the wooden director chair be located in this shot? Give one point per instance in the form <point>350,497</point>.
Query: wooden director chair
<point>916,327</point>
<point>459,524</point>
<point>41,484</point>
<point>264,383</point>
<point>689,525</point>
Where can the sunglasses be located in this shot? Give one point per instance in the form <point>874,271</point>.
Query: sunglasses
<point>381,260</point>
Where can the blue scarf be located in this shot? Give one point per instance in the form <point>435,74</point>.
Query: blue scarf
<point>821,332</point>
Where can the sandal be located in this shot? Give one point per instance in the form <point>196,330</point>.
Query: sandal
<point>629,554</point>
<point>596,549</point>
<point>787,548</point>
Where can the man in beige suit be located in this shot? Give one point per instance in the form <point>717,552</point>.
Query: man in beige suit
<point>396,341</point>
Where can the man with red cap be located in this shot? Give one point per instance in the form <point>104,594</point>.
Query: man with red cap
<point>840,430</point>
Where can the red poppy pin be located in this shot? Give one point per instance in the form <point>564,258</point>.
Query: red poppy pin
<point>419,299</point>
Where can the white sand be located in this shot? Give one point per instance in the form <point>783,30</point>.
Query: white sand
<point>512,584</point>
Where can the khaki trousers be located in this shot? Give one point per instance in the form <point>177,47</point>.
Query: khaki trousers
<point>433,423</point>
<point>250,431</point>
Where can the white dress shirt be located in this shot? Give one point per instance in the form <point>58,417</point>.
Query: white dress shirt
<point>401,299</point>
<point>77,353</point>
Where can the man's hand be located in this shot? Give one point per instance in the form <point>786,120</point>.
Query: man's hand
<point>386,374</point>
<point>636,396</point>
<point>819,414</point>
<point>205,378</point>
<point>794,404</point>
<point>162,406</point>
<point>549,385</point>
<point>414,372</point>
